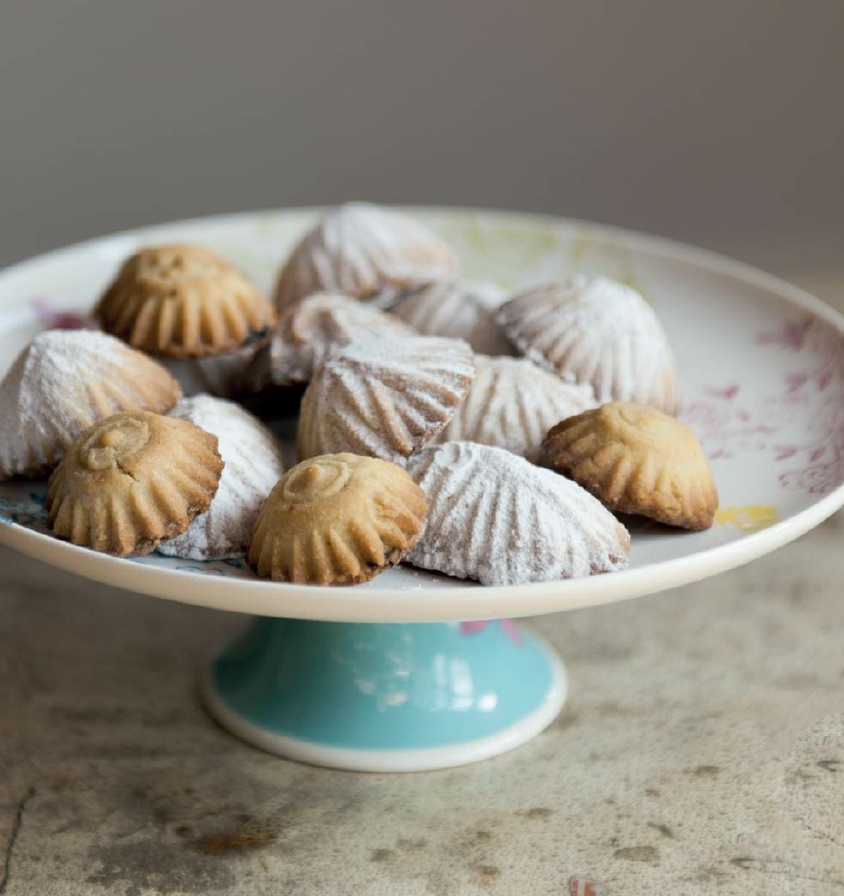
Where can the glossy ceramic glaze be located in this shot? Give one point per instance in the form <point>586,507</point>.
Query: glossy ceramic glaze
<point>385,697</point>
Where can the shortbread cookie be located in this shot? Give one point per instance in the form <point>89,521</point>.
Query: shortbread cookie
<point>132,480</point>
<point>597,331</point>
<point>496,518</point>
<point>311,329</point>
<point>384,398</point>
<point>253,465</point>
<point>64,381</point>
<point>337,520</point>
<point>635,459</point>
<point>366,252</point>
<point>512,404</point>
<point>184,301</point>
<point>461,310</point>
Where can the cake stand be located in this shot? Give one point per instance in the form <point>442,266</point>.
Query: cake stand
<point>416,671</point>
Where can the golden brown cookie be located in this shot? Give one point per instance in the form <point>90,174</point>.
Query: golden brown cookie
<point>131,481</point>
<point>184,301</point>
<point>366,252</point>
<point>636,459</point>
<point>339,519</point>
<point>62,383</point>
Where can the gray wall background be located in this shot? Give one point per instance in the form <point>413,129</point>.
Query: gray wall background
<point>721,123</point>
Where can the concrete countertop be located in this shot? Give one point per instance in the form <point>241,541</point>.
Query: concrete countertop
<point>701,751</point>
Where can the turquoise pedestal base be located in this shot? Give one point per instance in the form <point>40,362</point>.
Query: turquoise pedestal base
<point>384,697</point>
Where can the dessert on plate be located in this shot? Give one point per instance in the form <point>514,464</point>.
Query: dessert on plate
<point>310,330</point>
<point>512,403</point>
<point>184,301</point>
<point>496,518</point>
<point>384,398</point>
<point>253,465</point>
<point>366,252</point>
<point>131,481</point>
<point>62,383</point>
<point>421,439</point>
<point>635,459</point>
<point>597,331</point>
<point>461,310</point>
<point>339,519</point>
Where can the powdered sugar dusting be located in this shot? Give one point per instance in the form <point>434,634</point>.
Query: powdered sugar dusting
<point>311,330</point>
<point>598,331</point>
<point>63,382</point>
<point>367,252</point>
<point>458,309</point>
<point>496,518</point>
<point>512,404</point>
<point>253,465</point>
<point>384,398</point>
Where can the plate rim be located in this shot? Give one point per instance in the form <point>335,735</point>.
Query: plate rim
<point>348,604</point>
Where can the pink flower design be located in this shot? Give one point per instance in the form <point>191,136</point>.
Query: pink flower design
<point>792,334</point>
<point>53,319</point>
<point>725,427</point>
<point>508,626</point>
<point>822,388</point>
<point>816,480</point>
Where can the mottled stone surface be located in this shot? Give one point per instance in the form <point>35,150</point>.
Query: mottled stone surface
<point>702,751</point>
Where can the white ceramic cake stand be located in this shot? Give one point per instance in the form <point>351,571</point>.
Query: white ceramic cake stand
<point>399,674</point>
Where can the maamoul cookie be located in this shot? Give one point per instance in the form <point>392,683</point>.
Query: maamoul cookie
<point>512,404</point>
<point>635,459</point>
<point>366,252</point>
<point>496,518</point>
<point>253,465</point>
<point>598,331</point>
<point>184,301</point>
<point>337,520</point>
<point>64,381</point>
<point>460,310</point>
<point>384,398</point>
<point>311,329</point>
<point>132,480</point>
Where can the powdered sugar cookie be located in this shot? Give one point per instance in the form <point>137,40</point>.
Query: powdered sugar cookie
<point>597,331</point>
<point>496,518</point>
<point>461,310</point>
<point>253,465</point>
<point>384,398</point>
<point>311,329</point>
<point>62,383</point>
<point>512,404</point>
<point>366,252</point>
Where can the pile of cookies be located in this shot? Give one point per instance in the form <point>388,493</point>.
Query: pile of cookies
<point>442,424</point>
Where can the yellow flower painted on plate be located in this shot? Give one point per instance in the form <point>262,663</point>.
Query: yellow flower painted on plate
<point>748,517</point>
<point>500,251</point>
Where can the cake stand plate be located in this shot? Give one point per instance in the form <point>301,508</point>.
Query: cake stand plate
<point>417,671</point>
